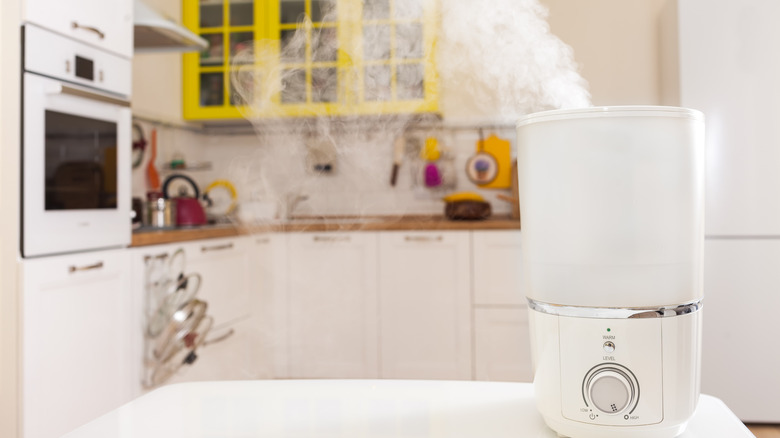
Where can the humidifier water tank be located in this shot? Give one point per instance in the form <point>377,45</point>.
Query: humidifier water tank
<point>612,203</point>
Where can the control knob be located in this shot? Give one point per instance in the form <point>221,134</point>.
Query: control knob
<point>610,390</point>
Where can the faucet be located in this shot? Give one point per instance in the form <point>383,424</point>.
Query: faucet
<point>293,199</point>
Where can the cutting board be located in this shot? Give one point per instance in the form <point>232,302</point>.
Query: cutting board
<point>501,150</point>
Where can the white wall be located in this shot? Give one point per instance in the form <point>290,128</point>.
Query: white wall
<point>617,44</point>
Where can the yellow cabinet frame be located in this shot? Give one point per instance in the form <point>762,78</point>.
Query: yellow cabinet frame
<point>349,64</point>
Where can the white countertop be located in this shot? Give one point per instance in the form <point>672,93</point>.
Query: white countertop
<point>353,408</point>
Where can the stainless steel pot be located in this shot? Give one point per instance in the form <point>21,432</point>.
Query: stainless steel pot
<point>160,212</point>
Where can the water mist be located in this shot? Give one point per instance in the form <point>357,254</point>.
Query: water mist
<point>496,61</point>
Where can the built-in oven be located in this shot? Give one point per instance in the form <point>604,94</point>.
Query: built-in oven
<point>76,146</point>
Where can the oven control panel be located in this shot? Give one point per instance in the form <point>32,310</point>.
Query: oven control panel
<point>55,56</point>
<point>611,370</point>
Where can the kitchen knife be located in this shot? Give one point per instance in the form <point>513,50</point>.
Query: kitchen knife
<point>398,157</point>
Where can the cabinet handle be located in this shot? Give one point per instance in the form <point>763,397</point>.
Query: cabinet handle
<point>424,238</point>
<point>331,238</point>
<point>216,247</point>
<point>73,269</point>
<point>100,34</point>
<point>161,256</point>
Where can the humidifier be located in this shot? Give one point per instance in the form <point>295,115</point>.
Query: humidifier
<point>612,204</point>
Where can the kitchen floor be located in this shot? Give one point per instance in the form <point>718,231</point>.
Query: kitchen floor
<point>765,430</point>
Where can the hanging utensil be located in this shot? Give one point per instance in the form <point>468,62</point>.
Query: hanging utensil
<point>500,152</point>
<point>151,171</point>
<point>398,156</point>
<point>482,167</point>
<point>431,153</point>
<point>432,175</point>
<point>139,145</point>
<point>218,206</point>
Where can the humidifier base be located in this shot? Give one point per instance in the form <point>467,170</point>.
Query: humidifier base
<point>652,431</point>
<point>632,375</point>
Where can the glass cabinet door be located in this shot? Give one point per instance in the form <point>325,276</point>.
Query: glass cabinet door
<point>230,27</point>
<point>317,57</point>
<point>396,73</point>
<point>308,35</point>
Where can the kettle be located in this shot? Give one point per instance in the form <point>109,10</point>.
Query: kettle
<point>189,210</point>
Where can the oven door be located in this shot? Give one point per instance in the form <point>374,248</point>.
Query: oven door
<point>75,168</point>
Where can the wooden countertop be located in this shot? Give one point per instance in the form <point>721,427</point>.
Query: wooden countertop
<point>145,237</point>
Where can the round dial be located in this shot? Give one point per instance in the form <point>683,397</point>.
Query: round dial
<point>610,391</point>
<point>611,388</point>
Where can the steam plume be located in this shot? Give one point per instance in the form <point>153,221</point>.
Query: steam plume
<point>496,60</point>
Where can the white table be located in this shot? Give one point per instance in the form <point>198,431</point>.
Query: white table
<point>353,408</point>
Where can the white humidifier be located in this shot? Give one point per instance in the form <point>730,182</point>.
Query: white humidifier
<point>612,203</point>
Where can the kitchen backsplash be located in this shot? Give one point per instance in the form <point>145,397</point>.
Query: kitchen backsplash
<point>330,175</point>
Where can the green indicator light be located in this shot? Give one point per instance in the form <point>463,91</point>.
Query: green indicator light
<point>609,329</point>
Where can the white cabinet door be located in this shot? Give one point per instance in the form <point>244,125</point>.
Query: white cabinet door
<point>228,354</point>
<point>740,349</point>
<point>224,268</point>
<point>77,332</point>
<point>101,23</point>
<point>332,305</point>
<point>227,286</point>
<point>502,346</point>
<point>498,266</point>
<point>425,305</point>
<point>268,265</point>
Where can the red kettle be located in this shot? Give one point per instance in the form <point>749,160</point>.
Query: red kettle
<point>189,210</point>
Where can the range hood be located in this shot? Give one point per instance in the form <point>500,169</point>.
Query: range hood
<point>155,33</point>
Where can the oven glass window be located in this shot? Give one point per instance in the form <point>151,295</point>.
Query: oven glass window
<point>81,162</point>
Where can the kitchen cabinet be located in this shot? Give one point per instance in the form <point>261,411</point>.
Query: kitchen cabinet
<point>365,305</point>
<point>231,350</point>
<point>310,58</point>
<point>268,266</point>
<point>332,302</point>
<point>99,23</point>
<point>502,349</point>
<point>226,282</point>
<point>141,307</point>
<point>77,336</point>
<point>227,354</point>
<point>425,305</point>
<point>498,268</point>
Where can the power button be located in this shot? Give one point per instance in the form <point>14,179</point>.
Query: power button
<point>609,346</point>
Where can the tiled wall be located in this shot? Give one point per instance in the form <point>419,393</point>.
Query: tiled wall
<point>276,166</point>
